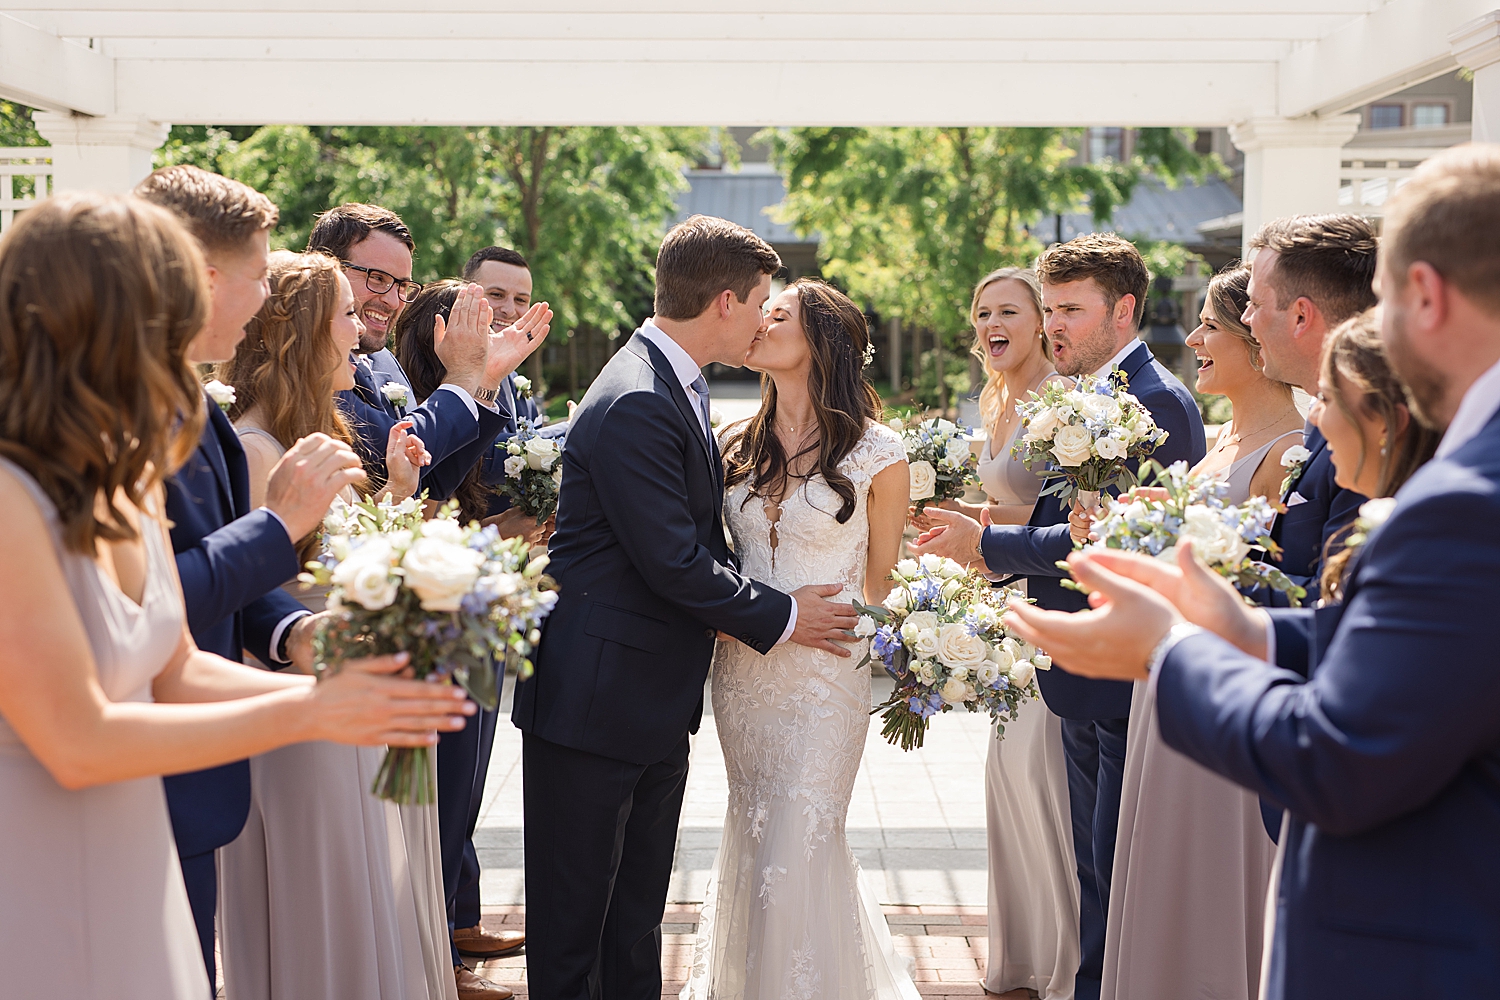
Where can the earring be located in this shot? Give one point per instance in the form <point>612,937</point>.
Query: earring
<point>1382,446</point>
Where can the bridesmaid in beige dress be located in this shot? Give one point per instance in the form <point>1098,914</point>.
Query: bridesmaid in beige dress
<point>1033,886</point>
<point>1192,860</point>
<point>102,296</point>
<point>320,858</point>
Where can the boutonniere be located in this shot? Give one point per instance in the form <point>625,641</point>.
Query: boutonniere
<point>1372,514</point>
<point>1292,460</point>
<point>523,386</point>
<point>220,393</point>
<point>395,392</point>
<point>715,418</point>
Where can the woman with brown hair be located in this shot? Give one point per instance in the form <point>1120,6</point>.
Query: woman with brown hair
<point>816,490</point>
<point>1363,412</point>
<point>101,687</point>
<point>320,859</point>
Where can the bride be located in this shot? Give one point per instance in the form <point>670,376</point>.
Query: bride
<point>816,490</point>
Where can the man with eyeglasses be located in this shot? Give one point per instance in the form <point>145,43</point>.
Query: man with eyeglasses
<point>463,418</point>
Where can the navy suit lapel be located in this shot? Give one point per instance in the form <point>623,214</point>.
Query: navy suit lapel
<point>1134,362</point>
<point>643,348</point>
<point>217,439</point>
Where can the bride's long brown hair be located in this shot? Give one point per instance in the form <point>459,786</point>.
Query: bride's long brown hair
<point>99,299</point>
<point>843,402</point>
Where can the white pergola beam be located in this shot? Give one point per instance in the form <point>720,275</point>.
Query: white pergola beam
<point>1394,47</point>
<point>42,70</point>
<point>775,9</point>
<point>510,92</point>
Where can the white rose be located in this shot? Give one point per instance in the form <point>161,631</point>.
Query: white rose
<point>541,453</point>
<point>1100,407</point>
<point>395,392</point>
<point>1218,543</point>
<point>444,529</point>
<point>950,570</point>
<point>945,426</point>
<point>440,572</point>
<point>955,691</point>
<point>924,671</point>
<point>1001,658</point>
<point>987,674</point>
<point>932,563</point>
<point>1295,455</point>
<point>958,451</point>
<point>1043,425</point>
<point>408,506</point>
<point>918,621</point>
<point>523,385</point>
<point>1110,448</point>
<point>1021,673</point>
<point>923,480</point>
<point>1072,445</point>
<point>897,600</point>
<point>958,649</point>
<point>951,588</point>
<point>1376,512</point>
<point>715,417</point>
<point>906,569</point>
<point>865,627</point>
<point>896,425</point>
<point>1042,661</point>
<point>220,393</point>
<point>924,642</point>
<point>514,465</point>
<point>365,575</point>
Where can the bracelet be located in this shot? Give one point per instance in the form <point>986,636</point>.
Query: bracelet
<point>486,395</point>
<point>1174,635</point>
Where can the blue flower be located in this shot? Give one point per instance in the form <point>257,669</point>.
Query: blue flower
<point>926,707</point>
<point>885,643</point>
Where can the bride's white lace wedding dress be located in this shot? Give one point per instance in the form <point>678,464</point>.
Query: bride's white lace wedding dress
<point>787,914</point>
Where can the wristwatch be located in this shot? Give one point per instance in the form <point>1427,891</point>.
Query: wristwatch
<point>486,395</point>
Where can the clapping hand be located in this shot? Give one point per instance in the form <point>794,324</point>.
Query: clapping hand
<point>361,705</point>
<point>515,343</point>
<point>304,482</point>
<point>462,341</point>
<point>405,456</point>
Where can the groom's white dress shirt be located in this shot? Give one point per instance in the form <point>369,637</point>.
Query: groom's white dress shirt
<point>1115,361</point>
<point>688,372</point>
<point>1474,411</point>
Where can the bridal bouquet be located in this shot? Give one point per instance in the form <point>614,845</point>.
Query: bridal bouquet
<point>940,637</point>
<point>1223,535</point>
<point>457,598</point>
<point>942,463</point>
<point>1086,437</point>
<point>533,472</point>
<point>368,517</point>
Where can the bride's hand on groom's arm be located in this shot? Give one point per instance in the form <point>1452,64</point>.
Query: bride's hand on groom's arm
<point>823,624</point>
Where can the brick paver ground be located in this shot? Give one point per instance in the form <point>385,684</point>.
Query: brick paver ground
<point>947,945</point>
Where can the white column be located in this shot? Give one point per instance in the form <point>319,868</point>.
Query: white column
<point>1291,166</point>
<point>109,153</point>
<point>1476,46</point>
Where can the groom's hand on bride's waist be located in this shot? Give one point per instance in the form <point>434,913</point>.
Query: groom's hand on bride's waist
<point>821,623</point>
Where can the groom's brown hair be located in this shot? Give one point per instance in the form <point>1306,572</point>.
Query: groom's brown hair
<point>703,256</point>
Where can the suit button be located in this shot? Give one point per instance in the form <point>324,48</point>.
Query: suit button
<point>710,633</point>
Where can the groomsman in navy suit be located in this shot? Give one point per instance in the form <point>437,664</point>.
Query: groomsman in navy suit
<point>1379,725</point>
<point>1093,296</point>
<point>233,560</point>
<point>1308,273</point>
<point>461,421</point>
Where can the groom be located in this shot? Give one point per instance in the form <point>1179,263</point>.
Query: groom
<point>646,583</point>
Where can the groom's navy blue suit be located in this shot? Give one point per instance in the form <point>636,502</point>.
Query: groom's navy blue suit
<point>1387,756</point>
<point>232,562</point>
<point>645,584</point>
<point>1095,714</point>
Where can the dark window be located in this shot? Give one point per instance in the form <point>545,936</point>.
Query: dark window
<point>1386,116</point>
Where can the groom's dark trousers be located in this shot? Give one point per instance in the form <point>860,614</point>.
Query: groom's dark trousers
<point>232,560</point>
<point>645,583</point>
<point>1095,714</point>
<point>1380,734</point>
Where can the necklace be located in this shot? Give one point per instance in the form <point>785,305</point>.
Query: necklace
<point>1236,437</point>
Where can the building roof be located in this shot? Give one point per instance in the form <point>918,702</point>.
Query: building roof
<point>1156,212</point>
<point>744,198</point>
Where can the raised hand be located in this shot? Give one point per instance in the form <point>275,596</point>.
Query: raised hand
<point>822,624</point>
<point>462,342</point>
<point>515,343</point>
<point>362,705</point>
<point>952,536</point>
<point>304,482</point>
<point>405,456</point>
<point>1202,596</point>
<point>1113,641</point>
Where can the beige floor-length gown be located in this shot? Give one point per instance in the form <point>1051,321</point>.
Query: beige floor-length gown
<point>1033,904</point>
<point>329,892</point>
<point>1192,862</point>
<point>92,903</point>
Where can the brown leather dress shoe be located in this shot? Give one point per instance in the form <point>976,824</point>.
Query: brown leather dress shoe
<point>472,986</point>
<point>476,942</point>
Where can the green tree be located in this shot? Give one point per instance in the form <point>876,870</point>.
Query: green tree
<point>586,206</point>
<point>16,128</point>
<point>909,218</point>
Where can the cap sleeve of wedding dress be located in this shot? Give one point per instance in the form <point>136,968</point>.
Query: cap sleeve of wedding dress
<point>787,914</point>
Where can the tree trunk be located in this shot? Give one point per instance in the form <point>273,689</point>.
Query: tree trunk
<point>573,364</point>
<point>897,382</point>
<point>940,362</point>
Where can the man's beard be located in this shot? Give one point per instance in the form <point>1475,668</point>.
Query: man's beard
<point>1090,352</point>
<point>1426,387</point>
